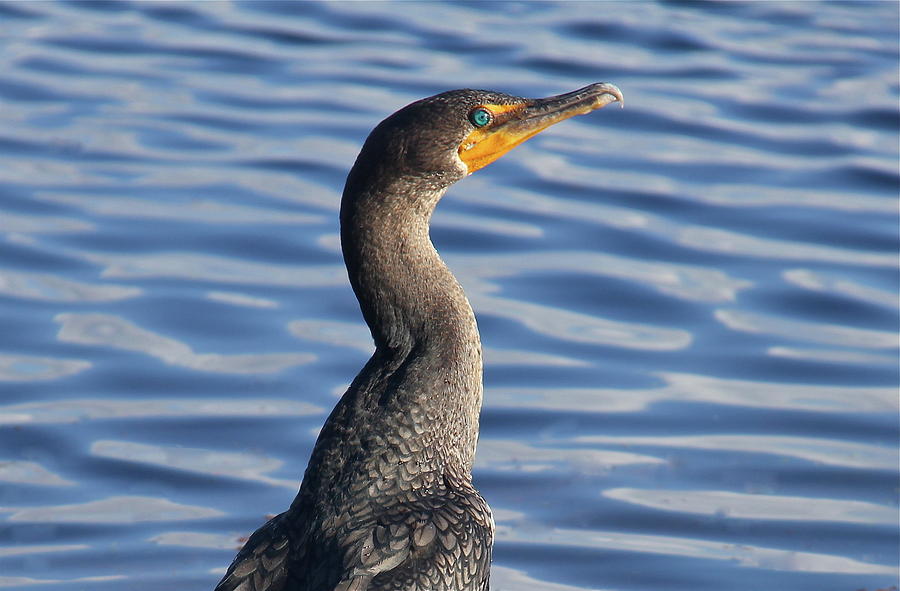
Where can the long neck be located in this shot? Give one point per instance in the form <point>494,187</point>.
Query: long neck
<point>428,352</point>
<point>408,296</point>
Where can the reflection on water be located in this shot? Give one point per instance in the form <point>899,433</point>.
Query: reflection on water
<point>581,328</point>
<point>681,281</point>
<point>112,510</point>
<point>820,282</point>
<point>821,334</point>
<point>240,299</point>
<point>29,581</point>
<point>746,556</point>
<point>192,539</point>
<point>689,306</point>
<point>112,331</point>
<point>200,461</point>
<point>44,286</point>
<point>198,267</point>
<point>70,411</point>
<point>819,451</point>
<point>514,456</point>
<point>30,473</point>
<point>693,388</point>
<point>731,505</point>
<point>202,212</point>
<point>22,368</point>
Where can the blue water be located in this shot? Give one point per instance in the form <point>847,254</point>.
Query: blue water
<point>689,306</point>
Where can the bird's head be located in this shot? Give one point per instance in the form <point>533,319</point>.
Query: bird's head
<point>441,139</point>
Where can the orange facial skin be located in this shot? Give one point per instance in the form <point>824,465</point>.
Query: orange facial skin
<point>513,124</point>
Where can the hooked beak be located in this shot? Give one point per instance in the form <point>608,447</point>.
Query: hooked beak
<point>513,124</point>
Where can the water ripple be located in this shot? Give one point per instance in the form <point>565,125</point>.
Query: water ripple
<point>731,505</point>
<point>688,306</point>
<point>120,510</point>
<point>112,331</point>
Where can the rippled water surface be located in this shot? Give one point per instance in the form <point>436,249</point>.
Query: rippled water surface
<point>689,306</point>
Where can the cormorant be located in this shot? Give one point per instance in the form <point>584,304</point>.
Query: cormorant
<point>387,501</point>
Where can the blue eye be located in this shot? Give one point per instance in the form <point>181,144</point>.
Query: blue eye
<point>480,117</point>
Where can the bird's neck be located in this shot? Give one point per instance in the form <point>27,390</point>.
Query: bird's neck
<point>428,351</point>
<point>409,298</point>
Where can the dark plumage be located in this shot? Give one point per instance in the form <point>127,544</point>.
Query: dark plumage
<point>387,501</point>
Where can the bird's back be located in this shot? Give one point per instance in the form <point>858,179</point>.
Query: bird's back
<point>437,539</point>
<point>386,503</point>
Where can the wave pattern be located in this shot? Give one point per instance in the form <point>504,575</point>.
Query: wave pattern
<point>689,307</point>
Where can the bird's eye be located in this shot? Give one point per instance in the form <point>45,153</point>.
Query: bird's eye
<point>480,117</point>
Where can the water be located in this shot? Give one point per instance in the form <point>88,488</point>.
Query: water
<point>689,306</point>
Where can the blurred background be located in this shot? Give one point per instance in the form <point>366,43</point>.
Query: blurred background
<point>689,306</point>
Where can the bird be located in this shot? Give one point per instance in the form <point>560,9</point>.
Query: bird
<point>387,501</point>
